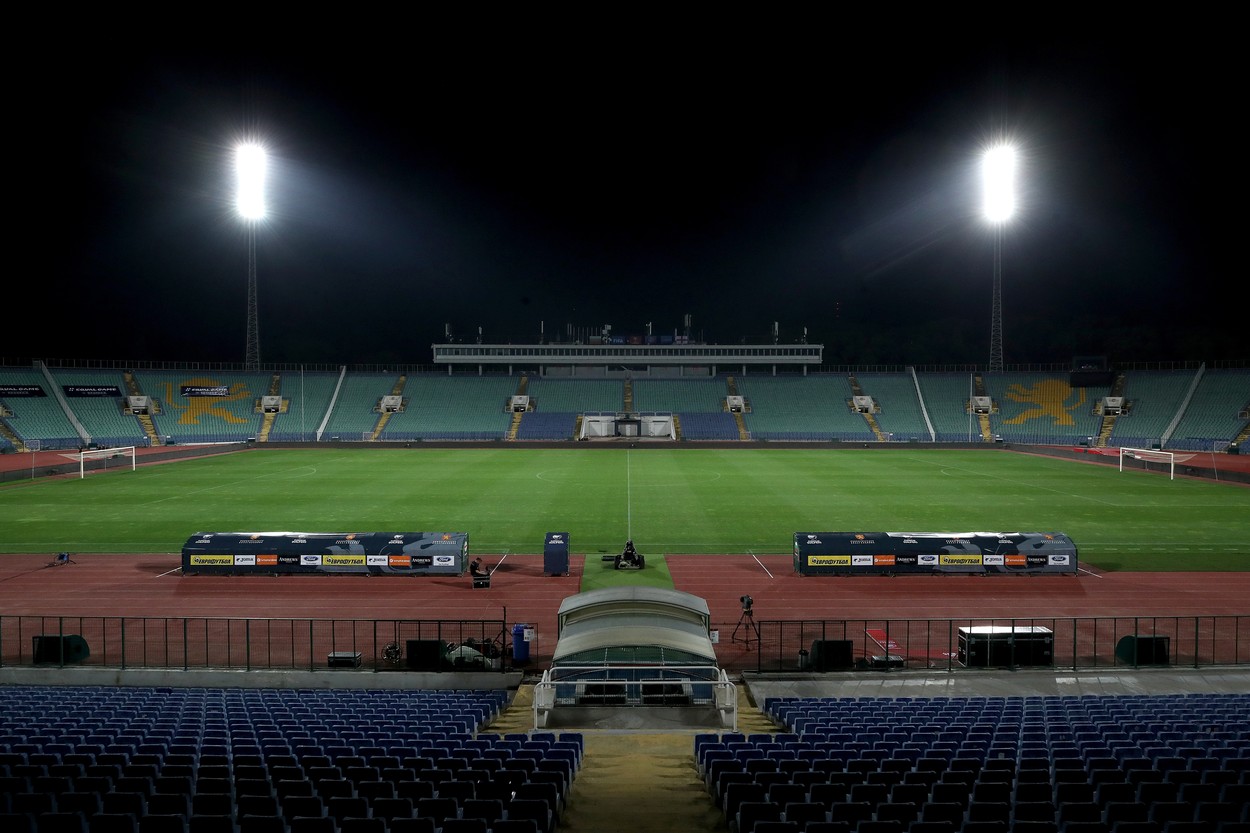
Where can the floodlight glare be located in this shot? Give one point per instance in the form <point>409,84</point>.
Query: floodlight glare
<point>249,164</point>
<point>998,173</point>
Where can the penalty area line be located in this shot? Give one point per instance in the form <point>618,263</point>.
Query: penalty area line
<point>761,563</point>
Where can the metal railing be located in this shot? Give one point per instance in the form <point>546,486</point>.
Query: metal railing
<point>128,642</point>
<point>636,685</point>
<point>1081,643</point>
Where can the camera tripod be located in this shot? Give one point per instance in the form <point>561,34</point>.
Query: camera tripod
<point>747,620</point>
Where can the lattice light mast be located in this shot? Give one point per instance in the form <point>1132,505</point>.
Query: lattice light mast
<point>250,203</point>
<point>998,182</point>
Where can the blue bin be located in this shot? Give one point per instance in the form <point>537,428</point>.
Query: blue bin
<point>520,648</point>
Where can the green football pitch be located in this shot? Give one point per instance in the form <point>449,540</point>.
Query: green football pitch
<point>668,500</point>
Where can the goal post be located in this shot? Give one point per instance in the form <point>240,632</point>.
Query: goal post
<point>106,459</point>
<point>1146,456</point>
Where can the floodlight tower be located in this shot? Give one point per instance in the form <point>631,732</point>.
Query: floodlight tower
<point>998,175</point>
<point>249,163</point>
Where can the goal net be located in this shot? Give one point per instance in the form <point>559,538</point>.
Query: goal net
<point>1148,460</point>
<point>106,459</point>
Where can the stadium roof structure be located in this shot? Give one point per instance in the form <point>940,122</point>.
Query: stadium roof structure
<point>668,355</point>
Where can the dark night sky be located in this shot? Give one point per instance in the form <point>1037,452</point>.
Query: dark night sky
<point>622,171</point>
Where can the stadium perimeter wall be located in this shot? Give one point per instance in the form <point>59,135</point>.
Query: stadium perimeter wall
<point>1230,468</point>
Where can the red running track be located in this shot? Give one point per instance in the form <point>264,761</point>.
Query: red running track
<point>113,585</point>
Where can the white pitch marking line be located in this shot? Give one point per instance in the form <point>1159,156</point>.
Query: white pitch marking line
<point>761,563</point>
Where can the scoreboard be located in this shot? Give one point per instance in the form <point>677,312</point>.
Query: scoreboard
<point>372,553</point>
<point>889,553</point>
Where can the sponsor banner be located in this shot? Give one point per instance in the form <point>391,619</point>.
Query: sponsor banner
<point>407,553</point>
<point>894,552</point>
<point>829,560</point>
<point>245,560</point>
<point>16,391</point>
<point>92,390</point>
<point>212,560</point>
<point>959,559</point>
<point>342,561</point>
<point>190,391</point>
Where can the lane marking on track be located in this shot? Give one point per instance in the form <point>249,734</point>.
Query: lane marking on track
<point>170,572</point>
<point>761,563</point>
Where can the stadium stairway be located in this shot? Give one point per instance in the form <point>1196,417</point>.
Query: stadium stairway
<point>145,420</point>
<point>638,779</point>
<point>1243,434</point>
<point>266,424</point>
<point>876,429</point>
<point>14,439</point>
<point>629,395</point>
<point>385,416</point>
<point>1107,427</point>
<point>514,426</point>
<point>983,420</point>
<point>857,390</point>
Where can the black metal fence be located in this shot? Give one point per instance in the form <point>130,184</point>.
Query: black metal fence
<point>950,644</point>
<point>1085,643</point>
<point>253,644</point>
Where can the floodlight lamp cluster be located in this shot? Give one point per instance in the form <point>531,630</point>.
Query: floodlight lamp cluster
<point>998,182</point>
<point>249,165</point>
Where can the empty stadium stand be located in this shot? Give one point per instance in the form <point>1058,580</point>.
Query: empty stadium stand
<point>194,759</point>
<point>1093,764</point>
<point>1191,409</point>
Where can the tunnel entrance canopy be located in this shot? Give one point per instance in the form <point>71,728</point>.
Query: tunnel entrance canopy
<point>635,646</point>
<point>628,625</point>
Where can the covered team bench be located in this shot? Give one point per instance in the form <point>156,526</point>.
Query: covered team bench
<point>369,553</point>
<point>888,553</point>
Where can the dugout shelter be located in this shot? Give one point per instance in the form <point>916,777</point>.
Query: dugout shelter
<point>372,553</point>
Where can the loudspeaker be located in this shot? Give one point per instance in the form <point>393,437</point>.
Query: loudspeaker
<point>1144,650</point>
<point>832,655</point>
<point>426,654</point>
<point>60,649</point>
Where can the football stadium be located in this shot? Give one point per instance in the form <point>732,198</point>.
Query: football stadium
<point>492,537</point>
<point>905,597</point>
